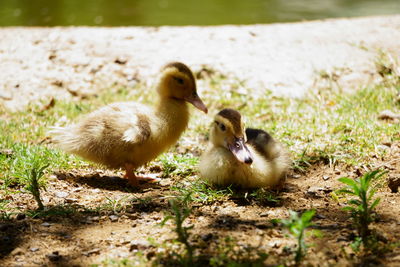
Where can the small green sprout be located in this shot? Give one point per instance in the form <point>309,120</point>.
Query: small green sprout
<point>34,182</point>
<point>361,207</point>
<point>180,211</point>
<point>297,225</point>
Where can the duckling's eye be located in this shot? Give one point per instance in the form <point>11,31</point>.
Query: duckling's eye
<point>222,127</point>
<point>179,80</point>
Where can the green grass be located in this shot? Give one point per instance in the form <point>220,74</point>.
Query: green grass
<point>178,165</point>
<point>202,192</point>
<point>328,126</point>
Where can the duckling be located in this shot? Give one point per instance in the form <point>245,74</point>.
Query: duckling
<point>128,134</point>
<point>248,158</point>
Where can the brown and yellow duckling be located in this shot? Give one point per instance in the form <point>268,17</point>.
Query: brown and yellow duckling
<point>128,134</point>
<point>248,158</point>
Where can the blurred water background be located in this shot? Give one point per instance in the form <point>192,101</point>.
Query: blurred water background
<point>183,12</point>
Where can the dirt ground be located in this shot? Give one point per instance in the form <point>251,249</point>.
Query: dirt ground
<point>84,238</point>
<point>41,63</point>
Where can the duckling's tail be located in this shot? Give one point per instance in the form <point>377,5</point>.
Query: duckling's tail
<point>64,138</point>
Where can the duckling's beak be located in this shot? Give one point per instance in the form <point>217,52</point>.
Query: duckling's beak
<point>240,151</point>
<point>195,100</point>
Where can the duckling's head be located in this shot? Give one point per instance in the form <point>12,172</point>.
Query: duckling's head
<point>228,131</point>
<point>177,81</point>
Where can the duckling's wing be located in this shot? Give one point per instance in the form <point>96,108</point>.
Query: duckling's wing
<point>138,129</point>
<point>131,122</point>
<point>262,142</point>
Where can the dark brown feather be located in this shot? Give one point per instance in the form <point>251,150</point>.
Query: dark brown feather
<point>234,117</point>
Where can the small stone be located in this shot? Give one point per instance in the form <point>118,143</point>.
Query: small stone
<point>393,184</point>
<point>62,194</point>
<point>262,226</point>
<point>95,218</point>
<point>113,218</point>
<point>34,249</point>
<point>156,217</point>
<point>139,245</point>
<point>54,256</point>
<point>71,200</point>
<point>207,237</point>
<point>387,143</point>
<point>90,252</point>
<point>150,254</point>
<point>46,224</point>
<point>315,191</point>
<point>120,61</point>
<point>77,189</point>
<point>264,214</point>
<point>326,177</point>
<point>388,115</point>
<point>124,242</point>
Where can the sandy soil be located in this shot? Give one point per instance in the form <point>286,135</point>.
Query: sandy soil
<point>38,63</point>
<point>87,237</point>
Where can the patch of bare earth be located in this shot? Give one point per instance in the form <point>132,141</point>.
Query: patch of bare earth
<point>86,236</point>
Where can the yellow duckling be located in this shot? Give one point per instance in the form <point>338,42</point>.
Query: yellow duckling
<point>248,158</point>
<point>128,134</point>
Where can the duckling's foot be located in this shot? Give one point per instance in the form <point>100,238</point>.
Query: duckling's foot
<point>134,180</point>
<point>138,181</point>
<point>142,179</point>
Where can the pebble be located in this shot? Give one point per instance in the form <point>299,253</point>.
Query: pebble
<point>388,115</point>
<point>62,194</point>
<point>90,252</point>
<point>207,237</point>
<point>139,245</point>
<point>34,249</point>
<point>94,218</point>
<point>113,218</point>
<point>54,256</point>
<point>71,200</point>
<point>77,189</point>
<point>46,224</point>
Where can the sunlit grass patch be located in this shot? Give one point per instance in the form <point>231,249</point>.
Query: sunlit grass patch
<point>327,126</point>
<point>178,165</point>
<point>202,192</point>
